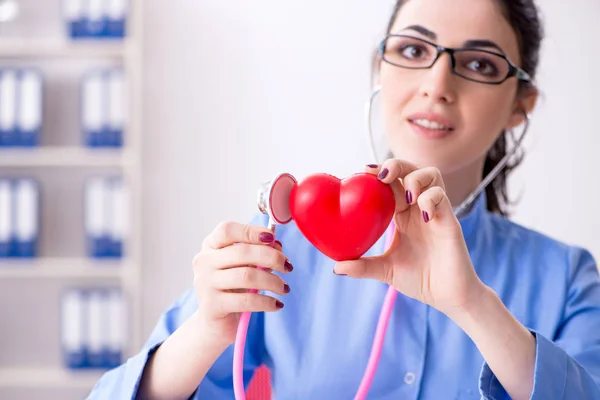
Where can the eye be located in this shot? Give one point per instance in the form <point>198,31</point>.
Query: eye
<point>413,51</point>
<point>483,67</point>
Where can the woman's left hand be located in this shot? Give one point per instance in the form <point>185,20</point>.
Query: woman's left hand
<point>428,259</point>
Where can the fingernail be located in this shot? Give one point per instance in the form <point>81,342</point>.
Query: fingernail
<point>372,165</point>
<point>383,173</point>
<point>278,304</point>
<point>339,274</point>
<point>425,216</point>
<point>408,197</point>
<point>266,237</point>
<point>288,266</point>
<point>286,288</point>
<point>277,242</point>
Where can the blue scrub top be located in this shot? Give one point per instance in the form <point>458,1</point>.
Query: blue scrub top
<point>318,345</point>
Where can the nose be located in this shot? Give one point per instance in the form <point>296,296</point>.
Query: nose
<point>438,82</point>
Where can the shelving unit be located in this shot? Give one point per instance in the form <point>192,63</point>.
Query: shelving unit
<point>32,49</point>
<point>58,268</point>
<point>66,157</point>
<point>49,272</point>
<point>48,378</point>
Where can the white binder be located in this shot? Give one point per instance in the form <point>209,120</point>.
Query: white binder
<point>73,311</point>
<point>93,107</point>
<point>6,217</point>
<point>97,222</point>
<point>8,107</point>
<point>117,106</point>
<point>26,196</point>
<point>29,116</point>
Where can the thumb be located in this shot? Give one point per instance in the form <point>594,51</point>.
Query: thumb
<point>379,268</point>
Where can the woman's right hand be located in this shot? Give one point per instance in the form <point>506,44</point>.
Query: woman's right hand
<point>225,270</point>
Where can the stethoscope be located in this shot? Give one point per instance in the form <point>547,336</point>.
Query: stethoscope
<point>273,200</point>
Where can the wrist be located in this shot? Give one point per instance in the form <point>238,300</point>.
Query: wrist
<point>208,333</point>
<point>477,306</point>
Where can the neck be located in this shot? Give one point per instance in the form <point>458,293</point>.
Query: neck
<point>461,183</point>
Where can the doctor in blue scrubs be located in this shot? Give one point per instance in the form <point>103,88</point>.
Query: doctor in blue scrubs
<point>485,307</point>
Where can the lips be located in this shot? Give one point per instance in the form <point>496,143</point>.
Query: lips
<point>431,125</point>
<point>432,121</point>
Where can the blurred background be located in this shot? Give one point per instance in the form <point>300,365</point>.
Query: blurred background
<point>130,128</point>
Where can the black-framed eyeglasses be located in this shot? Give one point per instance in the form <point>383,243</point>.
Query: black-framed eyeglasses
<point>476,65</point>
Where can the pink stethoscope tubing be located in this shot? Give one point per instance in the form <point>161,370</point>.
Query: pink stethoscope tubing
<point>367,380</point>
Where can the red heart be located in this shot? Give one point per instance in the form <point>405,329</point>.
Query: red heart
<point>342,219</point>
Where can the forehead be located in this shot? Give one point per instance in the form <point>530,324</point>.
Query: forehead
<point>456,21</point>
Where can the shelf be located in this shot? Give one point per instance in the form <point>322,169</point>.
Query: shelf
<point>38,268</point>
<point>63,157</point>
<point>44,48</point>
<point>48,377</point>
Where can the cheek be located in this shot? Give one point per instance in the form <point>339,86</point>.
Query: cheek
<point>396,93</point>
<point>487,114</point>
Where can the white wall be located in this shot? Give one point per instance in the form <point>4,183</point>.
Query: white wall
<point>238,91</point>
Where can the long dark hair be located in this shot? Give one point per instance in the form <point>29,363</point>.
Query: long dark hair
<point>523,16</point>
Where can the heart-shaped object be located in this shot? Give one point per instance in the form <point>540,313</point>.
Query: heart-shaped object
<point>342,218</point>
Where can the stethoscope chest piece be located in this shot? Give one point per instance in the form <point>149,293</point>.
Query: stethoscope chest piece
<point>274,198</point>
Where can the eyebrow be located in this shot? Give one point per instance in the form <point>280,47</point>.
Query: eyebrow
<point>467,44</point>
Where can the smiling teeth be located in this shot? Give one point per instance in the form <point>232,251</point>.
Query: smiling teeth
<point>431,125</point>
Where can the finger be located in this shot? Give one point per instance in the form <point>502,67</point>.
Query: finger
<point>393,169</point>
<point>251,254</point>
<point>249,278</point>
<point>228,233</point>
<point>242,302</point>
<point>421,180</point>
<point>435,206</point>
<point>395,184</point>
<point>378,268</point>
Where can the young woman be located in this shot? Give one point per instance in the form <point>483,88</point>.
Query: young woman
<point>485,307</point>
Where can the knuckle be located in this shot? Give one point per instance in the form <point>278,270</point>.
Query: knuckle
<point>247,233</point>
<point>274,258</point>
<point>245,301</point>
<point>246,275</point>
<point>225,228</point>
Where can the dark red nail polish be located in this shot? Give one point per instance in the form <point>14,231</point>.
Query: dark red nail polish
<point>277,242</point>
<point>383,173</point>
<point>278,304</point>
<point>266,237</point>
<point>408,197</point>
<point>288,266</point>
<point>425,216</point>
<point>286,288</point>
<point>372,165</point>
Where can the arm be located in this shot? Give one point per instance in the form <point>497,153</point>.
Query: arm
<point>177,367</point>
<point>174,328</point>
<point>508,348</point>
<point>527,365</point>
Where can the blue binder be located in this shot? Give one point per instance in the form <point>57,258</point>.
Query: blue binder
<point>116,328</point>
<point>116,21</point>
<point>93,101</point>
<point>8,107</point>
<point>73,317</point>
<point>97,198</point>
<point>29,116</point>
<point>116,107</point>
<point>73,13</point>
<point>6,218</point>
<point>26,195</point>
<point>94,18</point>
<point>97,319</point>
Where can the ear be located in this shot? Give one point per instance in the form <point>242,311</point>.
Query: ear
<point>376,69</point>
<point>526,101</point>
